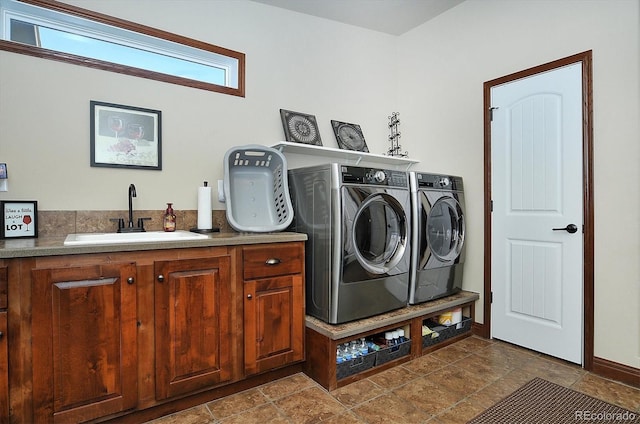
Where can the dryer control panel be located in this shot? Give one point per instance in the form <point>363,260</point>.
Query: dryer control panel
<point>440,182</point>
<point>374,176</point>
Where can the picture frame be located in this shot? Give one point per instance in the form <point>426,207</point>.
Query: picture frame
<point>349,136</point>
<point>19,219</point>
<point>125,136</point>
<point>300,127</point>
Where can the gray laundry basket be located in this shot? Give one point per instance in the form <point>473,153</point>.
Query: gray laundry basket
<point>256,189</point>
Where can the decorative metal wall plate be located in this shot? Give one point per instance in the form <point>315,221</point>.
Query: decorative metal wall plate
<point>300,127</point>
<point>349,136</point>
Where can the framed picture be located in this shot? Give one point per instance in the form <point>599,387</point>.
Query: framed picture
<point>349,136</point>
<point>125,136</point>
<point>19,219</point>
<point>300,127</point>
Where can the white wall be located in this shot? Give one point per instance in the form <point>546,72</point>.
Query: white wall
<point>444,65</point>
<point>293,61</point>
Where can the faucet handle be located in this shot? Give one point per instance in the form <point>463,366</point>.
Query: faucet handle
<point>141,223</point>
<point>120,222</point>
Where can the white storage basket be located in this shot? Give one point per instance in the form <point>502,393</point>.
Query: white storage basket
<point>256,189</point>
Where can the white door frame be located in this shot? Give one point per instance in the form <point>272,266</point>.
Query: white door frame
<point>585,58</point>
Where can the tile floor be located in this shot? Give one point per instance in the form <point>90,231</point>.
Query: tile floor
<point>450,385</point>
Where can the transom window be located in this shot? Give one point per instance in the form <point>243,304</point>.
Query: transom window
<point>58,31</point>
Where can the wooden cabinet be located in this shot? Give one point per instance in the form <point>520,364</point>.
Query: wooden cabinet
<point>193,342</point>
<point>4,356</point>
<point>102,335</point>
<point>273,306</point>
<point>84,341</point>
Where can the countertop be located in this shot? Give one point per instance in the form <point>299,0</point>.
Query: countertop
<point>54,246</point>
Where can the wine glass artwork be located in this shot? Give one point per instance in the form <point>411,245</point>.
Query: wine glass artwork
<point>135,131</point>
<point>26,220</point>
<point>116,124</point>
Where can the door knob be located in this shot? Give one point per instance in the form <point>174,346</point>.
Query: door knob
<point>571,228</point>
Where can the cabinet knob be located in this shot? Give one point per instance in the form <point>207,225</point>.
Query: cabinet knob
<point>130,280</point>
<point>272,261</point>
<point>249,296</point>
<point>161,278</point>
<point>1,334</point>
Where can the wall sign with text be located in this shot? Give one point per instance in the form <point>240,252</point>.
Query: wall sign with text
<point>19,219</point>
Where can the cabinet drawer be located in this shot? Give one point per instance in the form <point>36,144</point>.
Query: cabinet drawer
<point>272,260</point>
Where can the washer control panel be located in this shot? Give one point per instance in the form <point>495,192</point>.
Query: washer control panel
<point>374,176</point>
<point>438,182</point>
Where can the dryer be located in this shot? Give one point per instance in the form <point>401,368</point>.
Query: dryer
<point>357,221</point>
<point>437,236</point>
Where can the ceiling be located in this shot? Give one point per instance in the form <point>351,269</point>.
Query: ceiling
<point>389,16</point>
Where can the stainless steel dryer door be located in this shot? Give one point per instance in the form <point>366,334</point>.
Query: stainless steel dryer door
<point>443,226</point>
<point>375,232</point>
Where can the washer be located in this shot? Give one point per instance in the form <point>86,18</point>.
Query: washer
<point>437,237</point>
<point>358,253</point>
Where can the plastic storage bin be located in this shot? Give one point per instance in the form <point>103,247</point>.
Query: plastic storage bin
<point>256,189</point>
<point>355,366</point>
<point>394,352</point>
<point>445,332</point>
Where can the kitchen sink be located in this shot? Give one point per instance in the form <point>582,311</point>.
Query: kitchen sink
<point>82,239</point>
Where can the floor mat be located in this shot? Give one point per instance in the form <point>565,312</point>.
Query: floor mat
<point>540,402</point>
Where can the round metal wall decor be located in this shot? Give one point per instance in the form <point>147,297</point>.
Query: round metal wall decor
<point>349,136</point>
<point>300,127</point>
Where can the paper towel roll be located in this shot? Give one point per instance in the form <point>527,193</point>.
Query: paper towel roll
<point>204,208</point>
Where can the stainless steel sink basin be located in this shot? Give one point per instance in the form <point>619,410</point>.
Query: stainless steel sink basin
<point>82,239</point>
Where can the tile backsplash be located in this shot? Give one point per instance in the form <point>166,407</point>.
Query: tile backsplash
<point>61,223</point>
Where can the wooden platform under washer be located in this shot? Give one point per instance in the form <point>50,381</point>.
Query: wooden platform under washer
<point>322,339</point>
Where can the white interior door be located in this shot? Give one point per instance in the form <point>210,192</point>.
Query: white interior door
<point>537,179</point>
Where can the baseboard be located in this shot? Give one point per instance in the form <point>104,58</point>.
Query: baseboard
<point>615,371</point>
<point>478,329</point>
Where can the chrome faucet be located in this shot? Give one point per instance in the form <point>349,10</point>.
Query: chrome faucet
<point>130,228</point>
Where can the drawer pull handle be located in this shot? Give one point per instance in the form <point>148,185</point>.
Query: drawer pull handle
<point>272,261</point>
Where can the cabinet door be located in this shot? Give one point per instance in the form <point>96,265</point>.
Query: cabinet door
<point>193,324</point>
<point>4,346</point>
<point>4,370</point>
<point>84,342</point>
<point>273,322</point>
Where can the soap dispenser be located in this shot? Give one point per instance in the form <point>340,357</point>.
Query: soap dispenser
<point>169,221</point>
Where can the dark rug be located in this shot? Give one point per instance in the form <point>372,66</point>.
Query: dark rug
<point>541,402</point>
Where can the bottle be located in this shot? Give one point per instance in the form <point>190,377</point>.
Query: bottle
<point>339,357</point>
<point>169,221</point>
<point>394,337</point>
<point>346,353</point>
<point>388,339</point>
<point>373,347</point>
<point>401,336</point>
<point>354,349</point>
<point>364,349</point>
